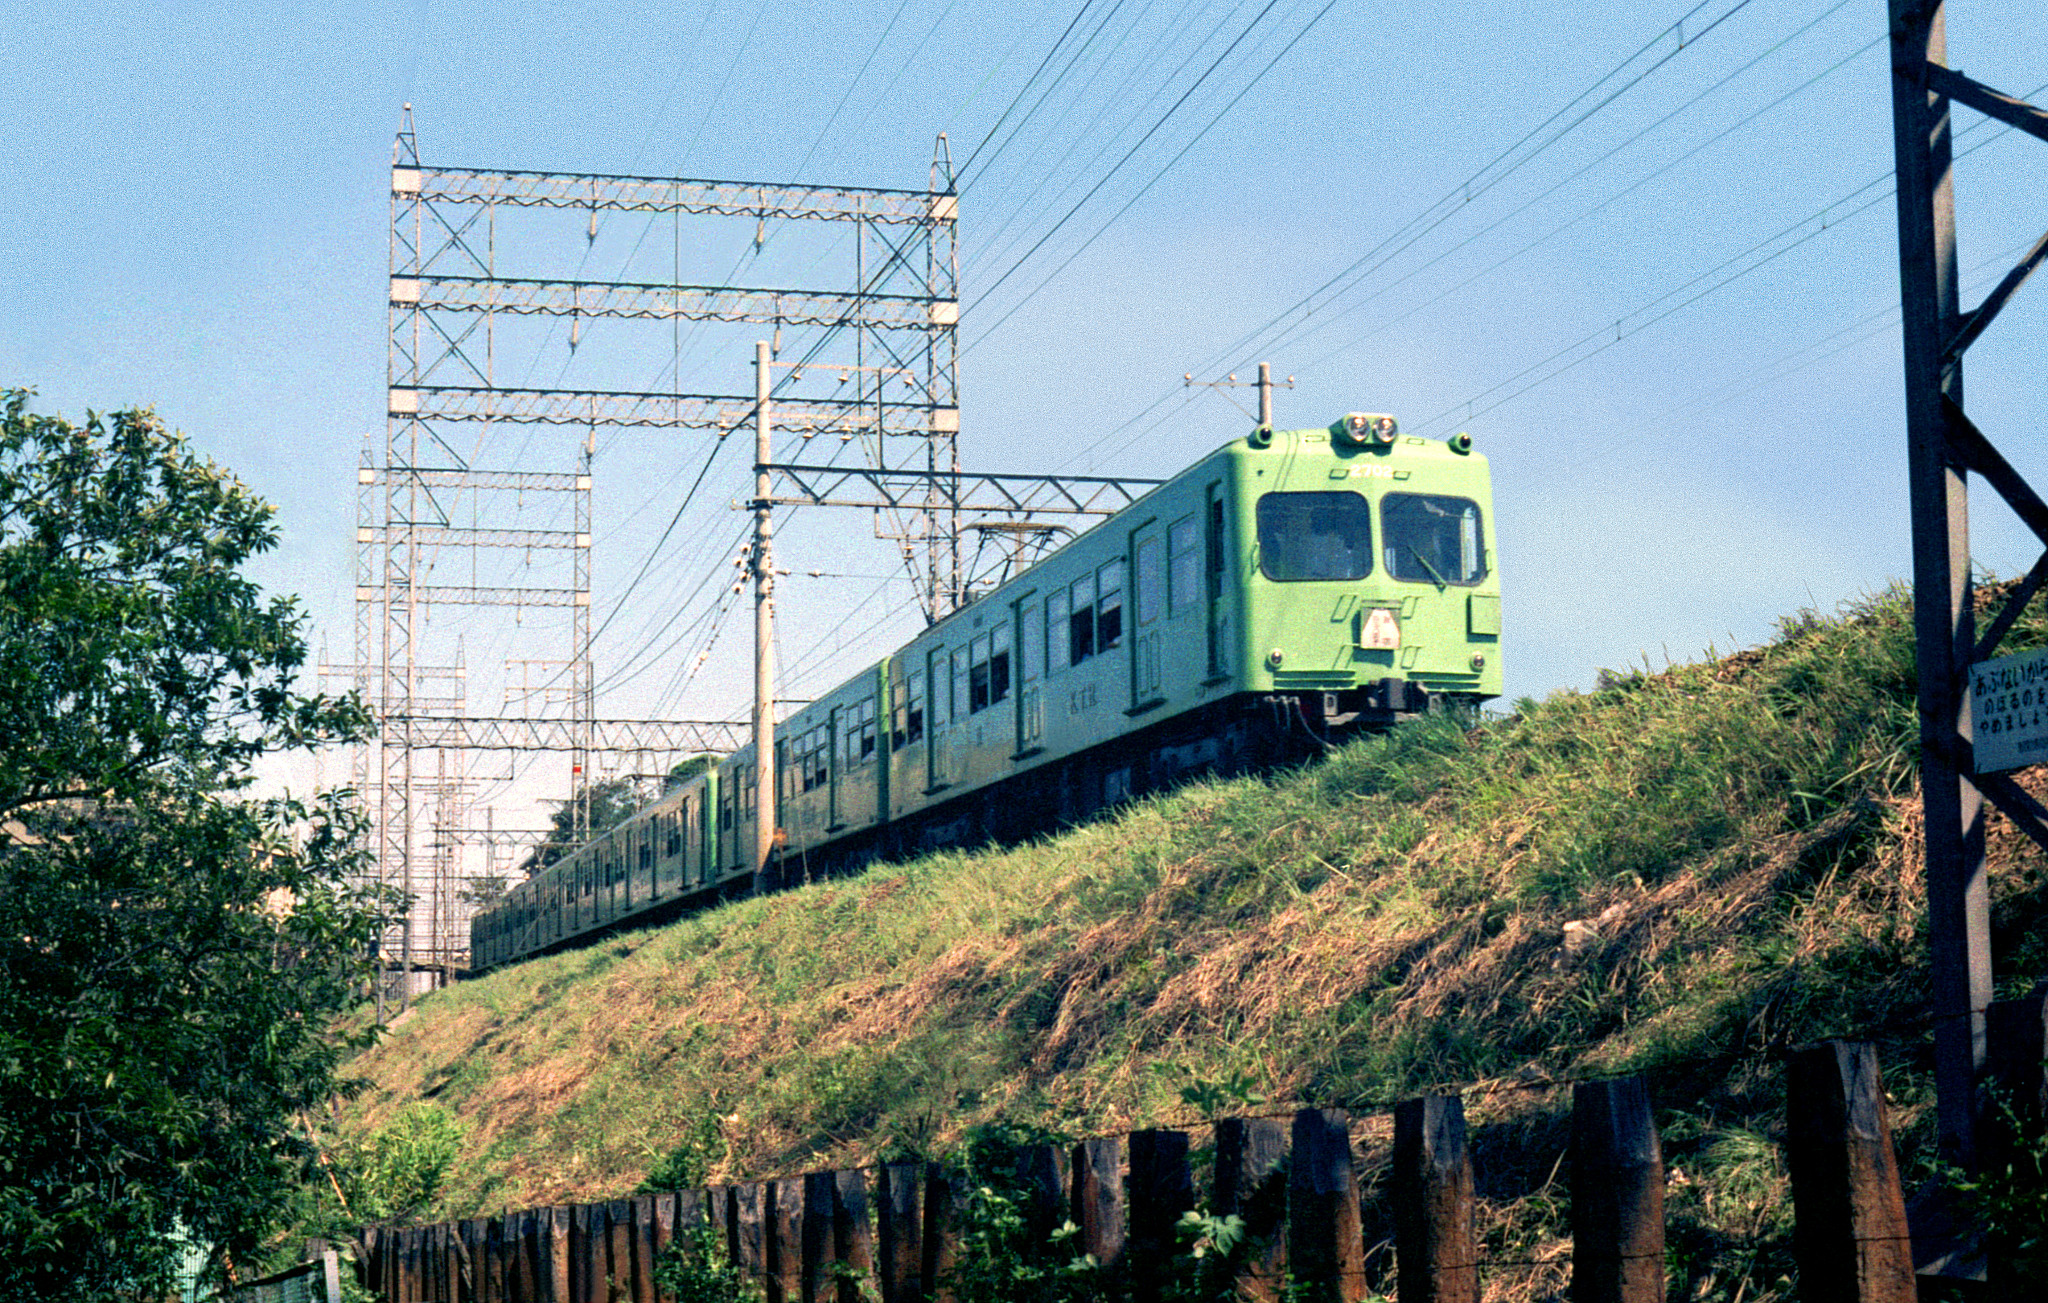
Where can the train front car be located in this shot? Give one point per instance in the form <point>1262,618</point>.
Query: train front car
<point>1370,590</point>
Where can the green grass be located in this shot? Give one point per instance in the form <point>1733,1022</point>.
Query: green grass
<point>1742,832</point>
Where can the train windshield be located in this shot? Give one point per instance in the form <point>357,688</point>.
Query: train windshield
<point>1315,536</point>
<point>1432,539</point>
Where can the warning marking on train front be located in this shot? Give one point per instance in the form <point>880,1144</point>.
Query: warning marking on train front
<point>2009,711</point>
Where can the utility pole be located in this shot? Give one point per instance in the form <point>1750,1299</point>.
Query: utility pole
<point>764,629</point>
<point>1265,387</point>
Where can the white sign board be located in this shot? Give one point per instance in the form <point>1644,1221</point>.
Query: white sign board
<point>2009,711</point>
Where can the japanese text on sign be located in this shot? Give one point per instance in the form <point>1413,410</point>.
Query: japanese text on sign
<point>2009,711</point>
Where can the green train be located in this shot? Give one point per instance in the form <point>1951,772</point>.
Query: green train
<point>1290,587</point>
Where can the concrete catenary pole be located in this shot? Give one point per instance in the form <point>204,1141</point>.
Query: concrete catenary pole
<point>764,631</point>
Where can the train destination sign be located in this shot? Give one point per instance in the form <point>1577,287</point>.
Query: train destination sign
<point>2009,711</point>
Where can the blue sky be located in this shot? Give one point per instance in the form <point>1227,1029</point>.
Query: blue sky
<point>198,220</point>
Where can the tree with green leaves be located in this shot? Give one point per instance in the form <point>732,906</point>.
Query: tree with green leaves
<point>173,952</point>
<point>612,801</point>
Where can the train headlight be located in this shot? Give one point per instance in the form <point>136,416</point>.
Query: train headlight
<point>1364,429</point>
<point>1478,661</point>
<point>1274,657</point>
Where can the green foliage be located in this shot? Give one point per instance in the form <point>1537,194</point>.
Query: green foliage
<point>171,954</point>
<point>401,1168</point>
<point>2009,1202</point>
<point>612,801</point>
<point>688,1165</point>
<point>1009,1251</point>
<point>697,1267</point>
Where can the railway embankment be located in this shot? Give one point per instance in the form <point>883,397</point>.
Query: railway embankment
<point>1682,874</point>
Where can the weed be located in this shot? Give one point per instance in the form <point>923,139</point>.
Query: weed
<point>697,1267</point>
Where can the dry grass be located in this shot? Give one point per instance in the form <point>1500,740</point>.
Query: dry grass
<point>1742,835</point>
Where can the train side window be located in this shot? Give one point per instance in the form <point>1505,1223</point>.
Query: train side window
<point>860,731</point>
<point>1432,539</point>
<point>999,665</point>
<point>1081,620</point>
<point>1109,609</point>
<point>960,708</point>
<point>977,674</point>
<point>913,720</point>
<point>1183,565</point>
<point>1216,548</point>
<point>1030,641</point>
<point>1056,649</point>
<point>1149,579</point>
<point>988,669</point>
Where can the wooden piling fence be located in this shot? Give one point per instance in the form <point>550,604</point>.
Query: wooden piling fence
<point>840,1236</point>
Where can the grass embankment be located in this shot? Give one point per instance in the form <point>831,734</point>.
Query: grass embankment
<point>1740,835</point>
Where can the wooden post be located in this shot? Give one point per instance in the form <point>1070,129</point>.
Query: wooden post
<point>675,1213</point>
<point>434,1262</point>
<point>1042,1176</point>
<point>1617,1195</point>
<point>1099,1203</point>
<point>1251,1182</point>
<point>899,1232</point>
<point>554,1255</point>
<point>493,1273</point>
<point>750,1230</point>
<point>520,1271</point>
<point>852,1241</point>
<point>1849,1231</point>
<point>640,1218</point>
<point>821,1198</point>
<point>618,1276</point>
<point>1436,1259</point>
<point>783,1237</point>
<point>393,1266</point>
<point>941,1225</point>
<point>588,1254</point>
<point>462,1262</point>
<point>1161,1190</point>
<point>470,1240</point>
<point>1326,1243</point>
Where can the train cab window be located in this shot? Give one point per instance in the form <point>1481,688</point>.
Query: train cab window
<point>1183,565</point>
<point>988,669</point>
<point>1323,535</point>
<point>1432,539</point>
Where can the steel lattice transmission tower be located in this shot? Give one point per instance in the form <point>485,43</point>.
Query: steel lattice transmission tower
<point>882,374</point>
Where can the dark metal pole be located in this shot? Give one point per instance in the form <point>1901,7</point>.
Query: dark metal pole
<point>1958,900</point>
